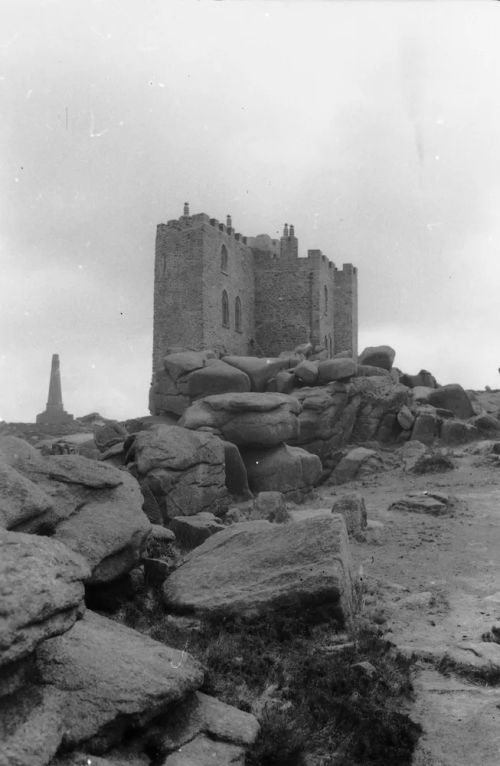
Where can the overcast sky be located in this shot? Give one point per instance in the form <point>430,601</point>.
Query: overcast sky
<point>373,127</point>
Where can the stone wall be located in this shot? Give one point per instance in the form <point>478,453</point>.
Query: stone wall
<point>291,305</point>
<point>178,315</point>
<point>323,297</point>
<point>237,280</point>
<point>283,306</point>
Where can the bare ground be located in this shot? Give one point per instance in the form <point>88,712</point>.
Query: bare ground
<point>433,585</point>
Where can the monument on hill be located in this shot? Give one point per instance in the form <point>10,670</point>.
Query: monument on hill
<point>54,413</point>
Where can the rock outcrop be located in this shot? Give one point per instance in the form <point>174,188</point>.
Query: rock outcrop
<point>426,425</point>
<point>336,369</point>
<point>236,473</point>
<point>203,750</point>
<point>41,592</point>
<point>369,371</point>
<point>423,378</point>
<point>378,356</point>
<point>352,507</point>
<point>110,533</point>
<point>290,470</point>
<point>201,714</point>
<point>20,499</point>
<point>254,567</point>
<point>350,466</point>
<point>428,502</point>
<point>114,679</point>
<point>246,419</point>
<point>260,371</point>
<point>191,531</point>
<point>189,375</point>
<point>31,726</point>
<point>457,432</point>
<point>306,373</point>
<point>361,410</point>
<point>74,684</point>
<point>270,506</point>
<point>108,435</point>
<point>182,470</point>
<point>452,397</point>
<point>94,508</point>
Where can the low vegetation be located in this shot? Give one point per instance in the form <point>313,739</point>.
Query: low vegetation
<point>323,698</point>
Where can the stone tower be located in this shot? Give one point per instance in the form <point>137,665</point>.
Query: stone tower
<point>54,414</point>
<point>204,287</point>
<point>346,309</point>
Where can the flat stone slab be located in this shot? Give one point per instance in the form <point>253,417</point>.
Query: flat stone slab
<point>113,676</point>
<point>252,567</point>
<point>75,469</point>
<point>432,503</point>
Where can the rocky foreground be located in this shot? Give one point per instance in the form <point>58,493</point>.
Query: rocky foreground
<point>321,492</point>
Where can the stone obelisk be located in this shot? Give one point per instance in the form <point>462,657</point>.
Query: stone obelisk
<point>54,413</point>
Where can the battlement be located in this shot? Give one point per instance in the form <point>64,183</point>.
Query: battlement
<point>188,221</point>
<point>317,257</point>
<point>285,247</point>
<point>347,269</point>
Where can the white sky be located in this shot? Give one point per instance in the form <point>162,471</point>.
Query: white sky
<point>372,127</point>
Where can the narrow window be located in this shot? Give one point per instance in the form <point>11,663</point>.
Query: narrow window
<point>237,314</point>
<point>223,259</point>
<point>326,343</point>
<point>225,309</point>
<point>326,299</point>
<point>331,345</point>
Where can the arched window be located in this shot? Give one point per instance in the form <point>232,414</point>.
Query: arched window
<point>237,314</point>
<point>325,289</point>
<point>225,309</point>
<point>223,259</point>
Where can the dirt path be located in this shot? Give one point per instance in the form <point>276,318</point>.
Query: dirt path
<point>433,585</point>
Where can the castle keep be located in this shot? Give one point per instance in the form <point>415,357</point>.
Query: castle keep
<point>216,289</point>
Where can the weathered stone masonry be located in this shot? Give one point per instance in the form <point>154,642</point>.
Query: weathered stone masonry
<point>216,289</point>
